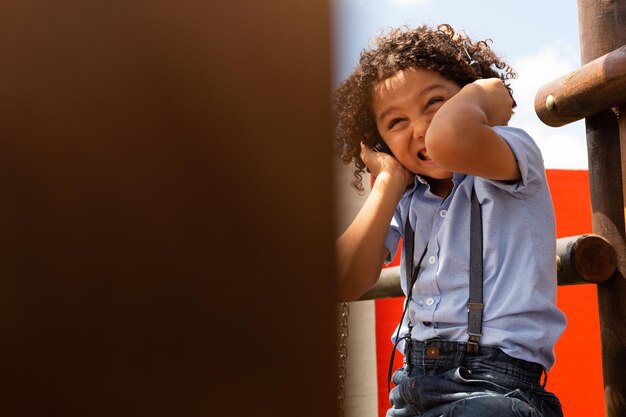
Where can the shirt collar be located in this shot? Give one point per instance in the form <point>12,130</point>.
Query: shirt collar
<point>457,177</point>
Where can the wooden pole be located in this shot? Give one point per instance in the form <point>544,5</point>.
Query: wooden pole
<point>583,259</point>
<point>602,30</point>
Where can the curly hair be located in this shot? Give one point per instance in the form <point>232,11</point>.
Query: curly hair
<point>443,50</point>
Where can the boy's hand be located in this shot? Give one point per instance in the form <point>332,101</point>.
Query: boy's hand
<point>378,162</point>
<point>496,101</point>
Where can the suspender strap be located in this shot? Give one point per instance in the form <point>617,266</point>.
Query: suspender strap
<point>409,242</point>
<point>411,274</point>
<point>475,304</point>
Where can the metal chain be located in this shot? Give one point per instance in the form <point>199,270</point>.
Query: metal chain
<point>616,111</point>
<point>343,354</point>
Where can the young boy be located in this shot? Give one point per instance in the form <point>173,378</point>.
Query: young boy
<point>469,196</point>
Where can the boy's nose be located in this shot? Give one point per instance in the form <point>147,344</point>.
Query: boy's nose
<point>419,129</point>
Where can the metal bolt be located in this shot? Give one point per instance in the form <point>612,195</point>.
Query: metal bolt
<point>432,352</point>
<point>550,102</point>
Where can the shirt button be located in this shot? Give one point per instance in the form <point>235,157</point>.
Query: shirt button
<point>443,213</point>
<point>432,260</point>
<point>429,301</point>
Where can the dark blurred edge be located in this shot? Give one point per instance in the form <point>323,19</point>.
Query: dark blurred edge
<point>165,209</point>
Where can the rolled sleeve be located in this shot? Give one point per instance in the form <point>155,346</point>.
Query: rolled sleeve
<point>529,162</point>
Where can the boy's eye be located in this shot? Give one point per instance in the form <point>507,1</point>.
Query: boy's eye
<point>394,122</point>
<point>435,100</point>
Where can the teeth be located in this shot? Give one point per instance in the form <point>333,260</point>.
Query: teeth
<point>423,155</point>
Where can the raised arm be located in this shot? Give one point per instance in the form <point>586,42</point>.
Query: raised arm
<point>360,249</point>
<point>460,137</point>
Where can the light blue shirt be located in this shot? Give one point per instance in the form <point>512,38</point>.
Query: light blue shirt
<point>519,258</point>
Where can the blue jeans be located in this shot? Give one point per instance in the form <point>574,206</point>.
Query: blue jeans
<point>441,379</point>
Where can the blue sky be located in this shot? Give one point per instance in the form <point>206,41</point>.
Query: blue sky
<point>539,39</point>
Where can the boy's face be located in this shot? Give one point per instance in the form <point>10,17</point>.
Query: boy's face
<point>403,106</point>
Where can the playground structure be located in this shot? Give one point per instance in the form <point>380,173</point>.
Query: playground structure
<point>596,92</point>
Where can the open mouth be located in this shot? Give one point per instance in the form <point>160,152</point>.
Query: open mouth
<point>423,155</point>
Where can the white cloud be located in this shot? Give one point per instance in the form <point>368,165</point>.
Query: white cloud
<point>564,147</point>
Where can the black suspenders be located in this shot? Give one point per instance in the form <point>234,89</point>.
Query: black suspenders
<point>475,302</point>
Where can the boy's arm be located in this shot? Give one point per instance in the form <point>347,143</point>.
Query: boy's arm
<point>460,137</point>
<point>360,249</point>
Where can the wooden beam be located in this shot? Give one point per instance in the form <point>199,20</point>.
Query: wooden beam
<point>583,259</point>
<point>596,86</point>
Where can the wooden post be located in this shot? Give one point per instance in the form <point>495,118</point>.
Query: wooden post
<point>602,30</point>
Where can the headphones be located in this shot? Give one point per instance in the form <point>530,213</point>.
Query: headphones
<point>472,63</point>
